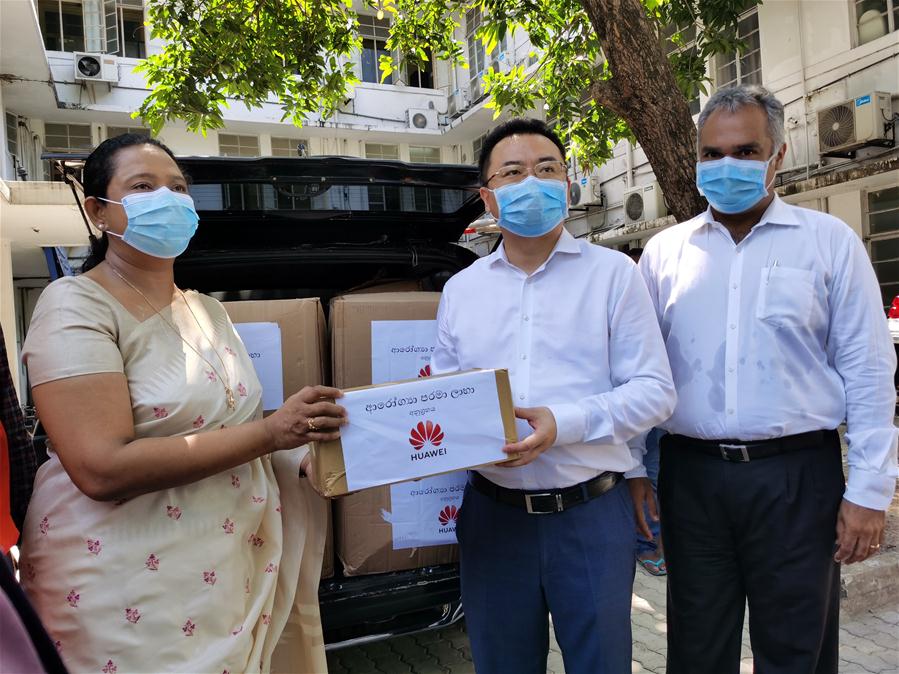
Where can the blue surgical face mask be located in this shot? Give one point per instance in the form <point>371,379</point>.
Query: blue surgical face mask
<point>532,207</point>
<point>733,185</point>
<point>160,223</point>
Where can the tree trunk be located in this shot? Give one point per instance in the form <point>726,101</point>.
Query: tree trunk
<point>643,92</point>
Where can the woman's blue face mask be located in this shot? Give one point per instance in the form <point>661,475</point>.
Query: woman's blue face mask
<point>160,223</point>
<point>733,185</point>
<point>532,207</point>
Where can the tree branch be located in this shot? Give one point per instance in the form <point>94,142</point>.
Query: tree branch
<point>603,92</point>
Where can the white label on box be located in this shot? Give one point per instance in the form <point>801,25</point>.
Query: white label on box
<point>425,511</point>
<point>421,428</point>
<point>401,349</point>
<point>263,343</point>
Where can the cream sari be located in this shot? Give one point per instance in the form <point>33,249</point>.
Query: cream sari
<point>199,578</point>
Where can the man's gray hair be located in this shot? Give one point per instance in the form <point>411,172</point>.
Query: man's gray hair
<point>735,98</point>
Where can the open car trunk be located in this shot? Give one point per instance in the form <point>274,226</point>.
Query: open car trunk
<point>273,228</point>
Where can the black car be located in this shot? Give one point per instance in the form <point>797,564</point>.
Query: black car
<point>273,228</point>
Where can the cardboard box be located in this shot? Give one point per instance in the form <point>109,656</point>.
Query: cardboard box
<point>363,538</point>
<point>304,357</point>
<point>304,346</point>
<point>351,317</point>
<point>418,428</point>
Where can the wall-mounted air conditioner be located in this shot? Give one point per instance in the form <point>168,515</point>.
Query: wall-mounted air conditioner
<point>96,67</point>
<point>421,118</point>
<point>644,203</point>
<point>458,102</point>
<point>584,191</point>
<point>851,125</point>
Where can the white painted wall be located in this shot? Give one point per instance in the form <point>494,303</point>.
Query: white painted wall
<point>848,207</point>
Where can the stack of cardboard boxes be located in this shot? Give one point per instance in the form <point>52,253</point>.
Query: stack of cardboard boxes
<point>304,359</point>
<point>362,538</point>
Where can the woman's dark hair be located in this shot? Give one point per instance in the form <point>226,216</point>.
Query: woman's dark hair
<point>520,126</point>
<point>99,168</point>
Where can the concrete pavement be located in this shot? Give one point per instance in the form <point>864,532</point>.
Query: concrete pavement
<point>869,643</point>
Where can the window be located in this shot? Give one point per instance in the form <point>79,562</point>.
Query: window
<point>680,44</point>
<point>67,137</point>
<point>290,147</point>
<point>379,151</point>
<point>476,146</point>
<point>132,34</point>
<point>744,67</point>
<point>62,25</point>
<point>113,131</point>
<point>12,134</point>
<point>875,18</point>
<point>883,239</point>
<point>422,198</point>
<point>231,145</point>
<point>477,54</point>
<point>374,33</point>
<point>106,26</point>
<point>382,198</point>
<point>424,155</point>
<point>421,77</point>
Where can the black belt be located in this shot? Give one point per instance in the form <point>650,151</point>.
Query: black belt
<point>549,500</point>
<point>743,452</point>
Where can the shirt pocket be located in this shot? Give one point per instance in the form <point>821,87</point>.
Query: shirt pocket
<point>786,297</point>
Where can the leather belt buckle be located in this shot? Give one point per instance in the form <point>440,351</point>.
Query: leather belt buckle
<point>529,504</point>
<point>736,453</point>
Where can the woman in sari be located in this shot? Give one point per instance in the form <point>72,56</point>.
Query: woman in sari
<point>166,531</point>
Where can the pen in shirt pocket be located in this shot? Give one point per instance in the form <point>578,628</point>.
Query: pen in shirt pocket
<point>768,279</point>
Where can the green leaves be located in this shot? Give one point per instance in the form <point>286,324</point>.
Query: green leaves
<point>299,54</point>
<point>293,52</point>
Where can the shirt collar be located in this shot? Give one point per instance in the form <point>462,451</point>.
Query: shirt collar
<point>566,244</point>
<point>778,213</point>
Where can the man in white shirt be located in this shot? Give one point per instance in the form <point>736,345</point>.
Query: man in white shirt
<point>775,330</point>
<point>553,531</point>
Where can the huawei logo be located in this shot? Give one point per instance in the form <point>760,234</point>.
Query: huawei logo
<point>424,372</point>
<point>449,514</point>
<point>426,432</point>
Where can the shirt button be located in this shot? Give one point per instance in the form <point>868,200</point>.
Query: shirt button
<point>730,369</point>
<point>730,411</point>
<point>524,356</point>
<point>526,318</point>
<point>733,326</point>
<point>521,397</point>
<point>734,286</point>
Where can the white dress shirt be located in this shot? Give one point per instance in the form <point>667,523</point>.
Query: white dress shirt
<point>780,334</point>
<point>579,336</point>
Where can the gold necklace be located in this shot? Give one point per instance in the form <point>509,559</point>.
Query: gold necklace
<point>226,380</point>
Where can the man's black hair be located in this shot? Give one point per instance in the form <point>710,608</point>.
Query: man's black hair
<point>519,126</point>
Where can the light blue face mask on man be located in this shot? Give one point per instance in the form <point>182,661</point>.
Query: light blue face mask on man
<point>532,207</point>
<point>733,185</point>
<point>160,223</point>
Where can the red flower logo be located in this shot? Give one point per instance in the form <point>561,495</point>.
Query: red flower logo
<point>449,514</point>
<point>424,433</point>
<point>424,372</point>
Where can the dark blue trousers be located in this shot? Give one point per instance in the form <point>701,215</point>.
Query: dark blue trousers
<point>517,569</point>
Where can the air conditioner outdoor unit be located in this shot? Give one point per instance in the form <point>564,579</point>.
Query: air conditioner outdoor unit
<point>96,67</point>
<point>584,191</point>
<point>854,124</point>
<point>421,118</point>
<point>644,203</point>
<point>458,102</point>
